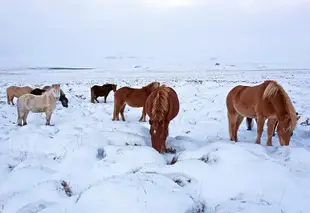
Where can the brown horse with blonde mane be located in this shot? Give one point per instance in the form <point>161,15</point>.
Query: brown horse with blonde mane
<point>133,97</point>
<point>161,106</point>
<point>267,100</point>
<point>15,91</point>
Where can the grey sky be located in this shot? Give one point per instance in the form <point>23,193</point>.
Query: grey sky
<point>65,32</point>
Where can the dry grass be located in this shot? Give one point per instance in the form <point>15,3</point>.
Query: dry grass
<point>66,188</point>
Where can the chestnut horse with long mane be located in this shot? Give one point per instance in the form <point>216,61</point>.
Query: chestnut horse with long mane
<point>267,100</point>
<point>161,106</point>
<point>133,97</point>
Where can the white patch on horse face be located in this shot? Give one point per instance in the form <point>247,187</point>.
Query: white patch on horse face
<point>154,132</point>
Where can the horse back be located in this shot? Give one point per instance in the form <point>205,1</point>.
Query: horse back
<point>100,90</point>
<point>174,105</point>
<point>134,95</point>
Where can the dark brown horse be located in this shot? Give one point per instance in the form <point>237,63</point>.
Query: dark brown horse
<point>250,120</point>
<point>98,91</point>
<point>161,106</point>
<point>133,97</point>
<point>266,101</point>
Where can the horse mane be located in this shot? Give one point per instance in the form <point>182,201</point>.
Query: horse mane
<point>152,85</point>
<point>273,89</point>
<point>49,91</point>
<point>160,104</point>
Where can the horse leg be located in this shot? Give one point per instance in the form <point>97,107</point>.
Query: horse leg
<point>274,128</point>
<point>20,116</point>
<point>249,123</point>
<point>96,99</point>
<point>11,99</point>
<point>122,112</point>
<point>271,123</point>
<point>48,116</point>
<point>232,121</point>
<point>143,116</point>
<point>105,99</point>
<point>239,121</point>
<point>260,128</point>
<point>25,118</point>
<point>117,108</point>
<point>8,99</point>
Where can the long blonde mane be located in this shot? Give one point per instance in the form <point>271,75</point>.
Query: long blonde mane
<point>273,89</point>
<point>160,104</point>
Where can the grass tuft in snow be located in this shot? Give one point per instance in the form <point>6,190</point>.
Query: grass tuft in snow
<point>174,160</point>
<point>135,144</point>
<point>100,154</point>
<point>306,122</point>
<point>208,159</point>
<point>11,167</point>
<point>66,188</point>
<point>171,150</point>
<point>181,182</point>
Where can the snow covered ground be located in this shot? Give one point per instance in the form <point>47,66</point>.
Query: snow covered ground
<point>111,167</point>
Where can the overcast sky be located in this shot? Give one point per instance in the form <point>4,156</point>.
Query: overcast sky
<point>77,32</point>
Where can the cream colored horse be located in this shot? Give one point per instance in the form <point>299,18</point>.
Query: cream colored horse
<point>36,103</point>
<point>57,87</point>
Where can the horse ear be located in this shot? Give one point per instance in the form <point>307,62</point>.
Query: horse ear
<point>298,117</point>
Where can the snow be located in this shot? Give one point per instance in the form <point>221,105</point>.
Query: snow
<point>111,166</point>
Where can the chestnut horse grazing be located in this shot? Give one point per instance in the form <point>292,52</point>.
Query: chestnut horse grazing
<point>133,97</point>
<point>15,91</point>
<point>267,100</point>
<point>249,125</point>
<point>161,106</point>
<point>36,103</point>
<point>104,90</point>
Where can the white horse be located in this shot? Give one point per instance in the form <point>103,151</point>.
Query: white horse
<point>36,103</point>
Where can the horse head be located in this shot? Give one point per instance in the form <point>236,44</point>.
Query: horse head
<point>159,133</point>
<point>286,128</point>
<point>57,88</point>
<point>64,100</point>
<point>114,86</point>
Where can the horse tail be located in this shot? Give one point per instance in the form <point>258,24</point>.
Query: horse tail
<point>271,90</point>
<point>92,95</point>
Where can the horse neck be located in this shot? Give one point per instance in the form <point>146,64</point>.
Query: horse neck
<point>280,104</point>
<point>109,87</point>
<point>148,89</point>
<point>50,94</point>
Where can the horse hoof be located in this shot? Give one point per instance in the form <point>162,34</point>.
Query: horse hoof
<point>19,125</point>
<point>25,124</point>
